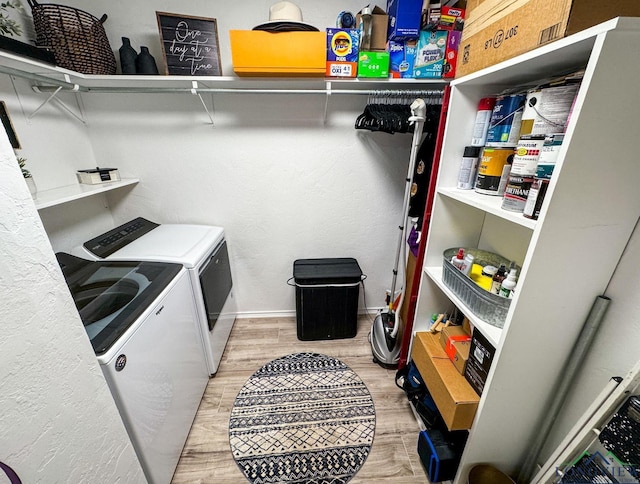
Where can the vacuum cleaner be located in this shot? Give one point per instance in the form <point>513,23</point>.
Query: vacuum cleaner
<point>386,331</point>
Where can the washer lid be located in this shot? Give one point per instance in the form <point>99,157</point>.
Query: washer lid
<point>179,243</point>
<point>111,295</point>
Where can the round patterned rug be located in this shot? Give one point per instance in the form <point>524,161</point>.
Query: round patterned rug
<point>302,418</point>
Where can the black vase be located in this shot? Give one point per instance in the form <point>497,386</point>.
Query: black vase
<point>145,63</point>
<point>127,57</point>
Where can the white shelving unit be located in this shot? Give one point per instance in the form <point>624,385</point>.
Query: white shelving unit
<point>567,256</point>
<point>60,195</point>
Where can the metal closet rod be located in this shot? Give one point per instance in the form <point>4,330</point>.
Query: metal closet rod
<point>222,90</point>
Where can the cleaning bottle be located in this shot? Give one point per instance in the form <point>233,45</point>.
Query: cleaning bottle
<point>498,278</point>
<point>508,284</point>
<point>458,259</point>
<point>467,264</point>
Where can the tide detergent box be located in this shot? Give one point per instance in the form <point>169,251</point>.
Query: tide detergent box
<point>402,55</point>
<point>430,56</point>
<point>342,52</point>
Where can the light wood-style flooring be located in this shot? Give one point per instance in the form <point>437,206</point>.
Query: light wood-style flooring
<point>207,458</point>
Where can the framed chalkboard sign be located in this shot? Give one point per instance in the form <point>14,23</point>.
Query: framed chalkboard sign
<point>189,44</point>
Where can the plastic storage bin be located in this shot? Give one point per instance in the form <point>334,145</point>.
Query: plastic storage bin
<point>489,307</point>
<point>440,453</point>
<point>326,298</point>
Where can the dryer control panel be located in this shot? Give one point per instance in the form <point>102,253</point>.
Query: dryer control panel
<point>106,244</point>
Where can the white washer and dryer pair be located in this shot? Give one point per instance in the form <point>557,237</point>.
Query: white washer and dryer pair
<point>201,249</point>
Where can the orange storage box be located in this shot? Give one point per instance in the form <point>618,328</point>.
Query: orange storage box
<point>285,54</point>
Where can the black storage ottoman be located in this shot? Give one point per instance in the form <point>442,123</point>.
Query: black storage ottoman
<point>326,298</point>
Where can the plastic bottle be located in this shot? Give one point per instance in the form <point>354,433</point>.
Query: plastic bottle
<point>365,29</point>
<point>498,278</point>
<point>508,284</point>
<point>458,259</point>
<point>467,264</point>
<point>481,125</point>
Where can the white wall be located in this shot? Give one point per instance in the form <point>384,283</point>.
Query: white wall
<point>282,184</point>
<point>59,421</point>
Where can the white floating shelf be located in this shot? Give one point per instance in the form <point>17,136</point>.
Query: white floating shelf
<point>57,196</point>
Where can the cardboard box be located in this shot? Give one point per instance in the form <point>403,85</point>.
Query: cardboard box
<point>455,398</point>
<point>451,54</point>
<point>430,17</point>
<point>481,356</point>
<point>466,324</point>
<point>379,24</point>
<point>451,18</point>
<point>402,56</point>
<point>373,64</point>
<point>404,19</point>
<point>289,54</point>
<point>496,30</point>
<point>430,56</point>
<point>456,343</point>
<point>342,52</point>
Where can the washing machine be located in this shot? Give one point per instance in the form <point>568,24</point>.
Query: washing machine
<point>142,322</point>
<point>201,249</point>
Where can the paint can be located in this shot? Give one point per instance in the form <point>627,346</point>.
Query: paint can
<point>527,155</point>
<point>516,192</point>
<point>536,197</point>
<point>494,168</point>
<point>504,127</point>
<point>549,155</point>
<point>547,110</point>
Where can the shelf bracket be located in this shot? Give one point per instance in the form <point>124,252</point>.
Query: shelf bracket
<point>52,97</point>
<point>326,102</point>
<point>194,91</point>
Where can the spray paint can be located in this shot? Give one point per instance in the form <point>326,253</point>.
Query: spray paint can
<point>493,171</point>
<point>469,167</point>
<point>504,127</point>
<point>483,118</point>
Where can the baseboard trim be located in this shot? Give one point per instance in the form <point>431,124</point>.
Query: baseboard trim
<point>289,314</point>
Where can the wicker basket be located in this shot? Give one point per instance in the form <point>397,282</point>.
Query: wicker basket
<point>76,38</point>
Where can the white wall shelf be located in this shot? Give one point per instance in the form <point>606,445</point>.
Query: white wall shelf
<point>60,195</point>
<point>46,77</point>
<point>488,203</point>
<point>587,215</point>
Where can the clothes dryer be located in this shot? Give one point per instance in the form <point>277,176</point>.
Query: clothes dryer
<point>202,250</point>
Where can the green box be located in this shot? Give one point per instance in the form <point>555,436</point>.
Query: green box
<point>373,64</point>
